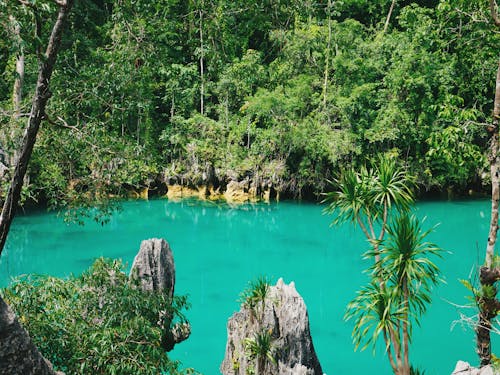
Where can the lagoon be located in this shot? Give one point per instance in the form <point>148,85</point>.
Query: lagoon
<point>219,248</point>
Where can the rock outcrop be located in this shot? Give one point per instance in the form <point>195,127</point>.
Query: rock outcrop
<point>154,266</point>
<point>18,354</point>
<point>464,368</point>
<point>272,337</point>
<point>153,270</point>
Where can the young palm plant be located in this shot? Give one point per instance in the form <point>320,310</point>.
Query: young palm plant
<point>368,196</point>
<point>260,347</point>
<point>391,307</point>
<point>254,297</point>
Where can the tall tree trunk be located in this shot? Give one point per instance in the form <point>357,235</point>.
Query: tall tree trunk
<point>389,14</point>
<point>202,68</point>
<point>18,355</point>
<point>327,57</point>
<point>17,92</point>
<point>406,337</point>
<point>494,160</point>
<point>488,307</point>
<point>40,98</point>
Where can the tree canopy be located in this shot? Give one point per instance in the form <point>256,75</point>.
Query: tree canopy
<point>283,93</point>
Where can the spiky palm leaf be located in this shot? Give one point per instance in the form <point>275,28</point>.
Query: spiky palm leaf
<point>376,311</point>
<point>406,257</point>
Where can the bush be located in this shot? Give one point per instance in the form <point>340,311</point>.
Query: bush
<point>97,323</point>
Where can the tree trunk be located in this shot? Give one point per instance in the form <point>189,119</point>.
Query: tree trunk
<point>488,275</point>
<point>406,337</point>
<point>386,26</point>
<point>494,160</point>
<point>488,308</point>
<point>202,68</point>
<point>40,98</point>
<point>18,355</point>
<point>327,57</point>
<point>494,13</point>
<point>17,92</point>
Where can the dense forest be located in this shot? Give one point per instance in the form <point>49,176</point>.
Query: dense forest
<point>280,94</point>
<point>275,96</point>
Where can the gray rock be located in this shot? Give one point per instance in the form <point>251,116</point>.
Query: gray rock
<point>154,266</point>
<point>18,354</point>
<point>154,270</point>
<point>283,317</point>
<point>464,368</point>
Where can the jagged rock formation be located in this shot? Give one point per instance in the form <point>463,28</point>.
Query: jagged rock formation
<point>18,354</point>
<point>154,270</point>
<point>154,266</point>
<point>464,368</point>
<point>280,324</point>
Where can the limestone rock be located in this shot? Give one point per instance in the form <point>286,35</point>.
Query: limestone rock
<point>154,266</point>
<point>464,368</point>
<point>18,354</point>
<point>284,320</point>
<point>154,270</point>
<point>237,192</point>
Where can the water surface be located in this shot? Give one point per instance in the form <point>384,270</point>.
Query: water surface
<point>218,249</point>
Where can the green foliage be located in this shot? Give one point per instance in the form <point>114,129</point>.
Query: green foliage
<point>399,291</point>
<point>452,160</point>
<point>416,371</point>
<point>293,92</point>
<point>370,192</point>
<point>255,295</point>
<point>260,347</point>
<point>403,273</point>
<point>98,322</point>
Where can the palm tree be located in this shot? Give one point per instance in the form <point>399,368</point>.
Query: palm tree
<point>367,197</point>
<point>389,308</point>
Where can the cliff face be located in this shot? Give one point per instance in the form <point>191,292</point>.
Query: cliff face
<point>271,337</point>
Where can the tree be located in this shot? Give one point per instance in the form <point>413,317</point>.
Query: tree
<point>26,358</point>
<point>368,196</point>
<point>100,322</point>
<point>489,274</point>
<point>402,274</point>
<point>391,308</point>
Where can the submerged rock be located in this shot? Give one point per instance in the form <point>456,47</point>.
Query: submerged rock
<point>154,271</point>
<point>154,266</point>
<point>272,337</point>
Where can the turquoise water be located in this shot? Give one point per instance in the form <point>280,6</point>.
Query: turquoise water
<point>218,249</point>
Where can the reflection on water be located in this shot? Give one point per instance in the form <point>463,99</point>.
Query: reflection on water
<point>218,248</point>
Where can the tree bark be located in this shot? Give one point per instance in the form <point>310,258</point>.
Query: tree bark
<point>386,26</point>
<point>494,13</point>
<point>17,92</point>
<point>202,67</point>
<point>406,338</point>
<point>327,57</point>
<point>489,274</point>
<point>40,98</point>
<point>494,160</point>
